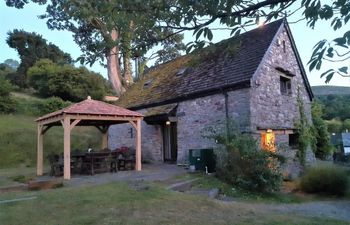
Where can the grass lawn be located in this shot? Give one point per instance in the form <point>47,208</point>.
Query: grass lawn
<point>19,135</point>
<point>119,203</point>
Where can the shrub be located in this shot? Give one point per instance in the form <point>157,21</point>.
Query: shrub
<point>7,104</point>
<point>52,104</point>
<point>328,180</point>
<point>243,164</point>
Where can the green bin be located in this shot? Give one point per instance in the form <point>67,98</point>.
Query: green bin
<point>202,159</point>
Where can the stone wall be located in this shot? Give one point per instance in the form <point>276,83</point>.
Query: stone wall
<point>152,142</point>
<point>262,105</point>
<point>269,108</point>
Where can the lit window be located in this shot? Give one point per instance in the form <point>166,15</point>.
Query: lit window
<point>286,86</point>
<point>268,141</point>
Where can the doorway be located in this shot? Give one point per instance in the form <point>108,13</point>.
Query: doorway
<point>170,141</point>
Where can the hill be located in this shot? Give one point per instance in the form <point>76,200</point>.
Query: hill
<point>18,134</point>
<point>330,90</point>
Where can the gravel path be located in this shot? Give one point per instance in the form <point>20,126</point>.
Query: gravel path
<point>332,209</point>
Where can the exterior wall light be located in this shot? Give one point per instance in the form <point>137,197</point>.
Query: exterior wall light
<point>167,123</point>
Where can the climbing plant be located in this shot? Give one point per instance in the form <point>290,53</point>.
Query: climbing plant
<point>304,130</point>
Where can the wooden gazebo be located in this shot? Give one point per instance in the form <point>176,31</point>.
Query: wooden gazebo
<point>87,113</point>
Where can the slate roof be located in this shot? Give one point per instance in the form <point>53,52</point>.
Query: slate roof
<point>92,107</point>
<point>228,64</point>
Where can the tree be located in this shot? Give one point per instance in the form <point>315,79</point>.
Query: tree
<point>32,47</point>
<point>5,70</point>
<point>197,16</point>
<point>111,30</point>
<point>336,50</point>
<point>7,104</point>
<point>323,146</point>
<point>334,126</point>
<point>65,81</point>
<point>12,63</point>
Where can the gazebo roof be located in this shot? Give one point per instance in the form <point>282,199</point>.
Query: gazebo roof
<point>90,107</point>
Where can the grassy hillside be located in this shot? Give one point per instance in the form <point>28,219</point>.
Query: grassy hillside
<point>18,135</point>
<point>18,140</point>
<point>328,90</point>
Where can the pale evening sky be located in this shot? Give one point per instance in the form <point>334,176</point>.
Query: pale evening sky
<point>26,19</point>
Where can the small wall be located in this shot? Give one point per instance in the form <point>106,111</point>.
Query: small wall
<point>152,143</point>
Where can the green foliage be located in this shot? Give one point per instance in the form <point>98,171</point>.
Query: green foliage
<point>241,163</point>
<point>323,146</point>
<point>328,180</point>
<point>31,47</point>
<point>7,104</point>
<point>52,104</point>
<point>6,70</point>
<point>346,125</point>
<point>335,106</point>
<point>66,81</point>
<point>334,126</point>
<point>337,49</point>
<point>305,132</point>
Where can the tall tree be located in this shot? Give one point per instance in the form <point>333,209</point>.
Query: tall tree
<point>115,30</point>
<point>150,16</point>
<point>31,47</point>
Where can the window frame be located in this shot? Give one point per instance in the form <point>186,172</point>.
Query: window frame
<point>286,85</point>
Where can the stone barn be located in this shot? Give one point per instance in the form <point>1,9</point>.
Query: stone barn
<point>254,79</point>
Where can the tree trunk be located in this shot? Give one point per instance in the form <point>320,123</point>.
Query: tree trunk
<point>126,47</point>
<point>113,66</point>
<point>127,68</point>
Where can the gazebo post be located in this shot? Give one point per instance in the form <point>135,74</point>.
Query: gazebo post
<point>138,145</point>
<point>66,148</point>
<point>40,152</point>
<point>104,131</point>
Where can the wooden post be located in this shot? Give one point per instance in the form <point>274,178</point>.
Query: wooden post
<point>104,143</point>
<point>40,152</point>
<point>66,148</point>
<point>138,145</point>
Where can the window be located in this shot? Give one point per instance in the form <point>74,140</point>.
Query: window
<point>285,85</point>
<point>293,140</point>
<point>268,141</point>
<point>284,46</point>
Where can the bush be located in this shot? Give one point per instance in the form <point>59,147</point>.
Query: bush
<point>52,104</point>
<point>7,104</point>
<point>66,81</point>
<point>328,180</point>
<point>243,164</point>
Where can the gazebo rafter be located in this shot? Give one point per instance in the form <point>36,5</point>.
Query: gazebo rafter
<point>86,113</point>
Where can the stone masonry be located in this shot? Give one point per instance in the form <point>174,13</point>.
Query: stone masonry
<point>260,106</point>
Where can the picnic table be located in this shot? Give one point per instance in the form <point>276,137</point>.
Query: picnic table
<point>96,162</point>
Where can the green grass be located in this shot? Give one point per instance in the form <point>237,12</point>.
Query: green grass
<point>19,140</point>
<point>209,182</point>
<point>118,203</point>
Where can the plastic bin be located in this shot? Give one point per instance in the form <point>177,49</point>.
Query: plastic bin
<point>202,159</point>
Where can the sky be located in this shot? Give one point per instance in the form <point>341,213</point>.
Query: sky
<point>26,19</point>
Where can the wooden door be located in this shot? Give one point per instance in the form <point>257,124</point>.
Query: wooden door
<point>170,142</point>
